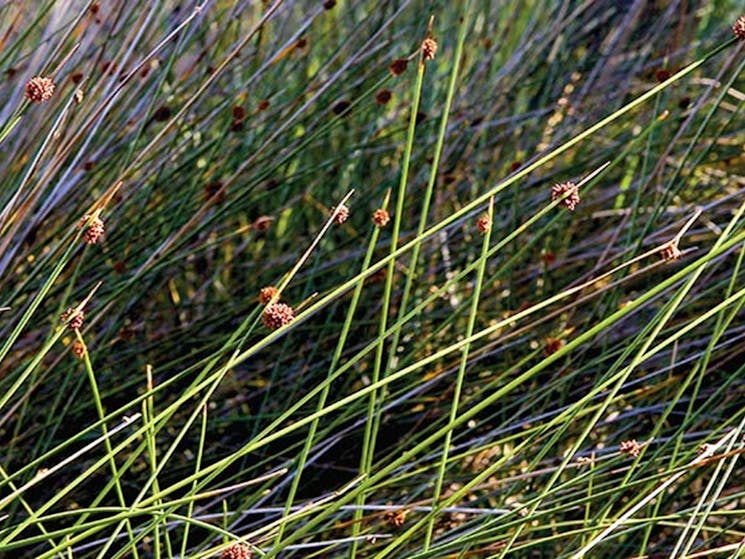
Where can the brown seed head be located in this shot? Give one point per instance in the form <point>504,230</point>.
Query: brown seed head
<point>568,189</point>
<point>630,447</point>
<point>739,28</point>
<point>73,318</point>
<point>262,223</point>
<point>94,231</point>
<point>483,223</point>
<point>328,4</point>
<point>381,217</point>
<point>78,349</point>
<point>398,66</point>
<point>39,89</point>
<point>553,345</point>
<point>396,517</point>
<point>341,214</point>
<point>429,48</point>
<point>266,294</point>
<point>670,251</point>
<point>277,315</point>
<point>383,96</point>
<point>237,551</point>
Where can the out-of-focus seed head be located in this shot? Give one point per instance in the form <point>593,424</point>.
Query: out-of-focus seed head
<point>739,28</point>
<point>266,294</point>
<point>341,214</point>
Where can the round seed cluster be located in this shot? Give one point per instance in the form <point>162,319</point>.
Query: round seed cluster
<point>94,231</point>
<point>39,89</point>
<point>739,28</point>
<point>483,223</point>
<point>73,318</point>
<point>558,191</point>
<point>381,217</point>
<point>266,294</point>
<point>237,551</point>
<point>277,315</point>
<point>341,214</point>
<point>429,48</point>
<point>670,252</point>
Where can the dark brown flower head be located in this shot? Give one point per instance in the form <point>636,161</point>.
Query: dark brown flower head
<point>483,223</point>
<point>383,96</point>
<point>237,551</point>
<point>262,105</point>
<point>73,318</point>
<point>398,66</point>
<point>381,217</point>
<point>214,189</point>
<point>553,345</point>
<point>670,251</point>
<point>328,4</point>
<point>262,223</point>
<point>277,315</point>
<point>630,447</point>
<point>94,230</point>
<point>341,214</point>
<point>568,189</point>
<point>739,28</point>
<point>39,89</point>
<point>162,114</point>
<point>78,349</point>
<point>429,48</point>
<point>266,294</point>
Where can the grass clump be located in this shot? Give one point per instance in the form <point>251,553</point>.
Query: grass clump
<point>351,279</point>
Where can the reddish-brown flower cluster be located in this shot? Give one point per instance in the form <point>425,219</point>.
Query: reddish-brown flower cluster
<point>78,349</point>
<point>266,294</point>
<point>73,318</point>
<point>670,251</point>
<point>94,229</point>
<point>568,189</point>
<point>277,315</point>
<point>341,214</point>
<point>429,48</point>
<point>39,89</point>
<point>381,217</point>
<point>237,551</point>
<point>739,28</point>
<point>483,223</point>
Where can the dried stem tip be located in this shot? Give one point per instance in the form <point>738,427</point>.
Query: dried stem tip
<point>237,551</point>
<point>568,189</point>
<point>39,89</point>
<point>266,294</point>
<point>381,217</point>
<point>94,231</point>
<point>73,318</point>
<point>429,48</point>
<point>739,28</point>
<point>341,214</point>
<point>483,223</point>
<point>277,315</point>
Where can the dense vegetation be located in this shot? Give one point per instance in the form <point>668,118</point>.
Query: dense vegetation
<point>372,279</point>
